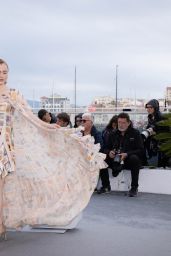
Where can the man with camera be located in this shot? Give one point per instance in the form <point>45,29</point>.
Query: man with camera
<point>125,151</point>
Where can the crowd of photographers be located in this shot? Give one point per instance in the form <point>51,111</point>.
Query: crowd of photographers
<point>125,147</point>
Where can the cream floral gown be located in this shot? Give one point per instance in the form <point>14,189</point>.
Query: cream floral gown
<point>50,173</point>
<point>7,159</point>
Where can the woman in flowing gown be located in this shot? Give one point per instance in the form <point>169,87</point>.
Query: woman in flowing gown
<point>47,174</point>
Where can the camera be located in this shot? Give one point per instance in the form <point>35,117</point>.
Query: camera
<point>117,158</point>
<point>147,133</point>
<point>117,165</point>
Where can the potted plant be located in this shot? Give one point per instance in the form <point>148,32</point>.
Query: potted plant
<point>164,135</point>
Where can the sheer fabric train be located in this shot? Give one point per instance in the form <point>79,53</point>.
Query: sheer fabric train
<point>52,173</point>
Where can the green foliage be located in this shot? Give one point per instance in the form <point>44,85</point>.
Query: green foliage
<point>165,136</point>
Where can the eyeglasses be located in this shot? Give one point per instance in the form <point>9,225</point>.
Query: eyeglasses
<point>84,121</point>
<point>149,107</point>
<point>78,121</point>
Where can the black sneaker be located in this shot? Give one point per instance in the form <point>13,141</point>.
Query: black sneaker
<point>103,190</point>
<point>133,192</point>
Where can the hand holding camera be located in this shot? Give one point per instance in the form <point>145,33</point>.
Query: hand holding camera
<point>147,133</point>
<point>112,154</point>
<point>117,156</point>
<point>123,156</point>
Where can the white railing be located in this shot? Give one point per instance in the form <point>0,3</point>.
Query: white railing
<point>102,115</point>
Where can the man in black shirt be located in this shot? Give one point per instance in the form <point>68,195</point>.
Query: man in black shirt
<point>125,146</point>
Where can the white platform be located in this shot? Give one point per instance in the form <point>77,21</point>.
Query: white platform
<point>150,180</point>
<point>155,181</point>
<point>46,228</point>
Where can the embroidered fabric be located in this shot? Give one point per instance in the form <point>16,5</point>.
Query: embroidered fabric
<point>50,173</point>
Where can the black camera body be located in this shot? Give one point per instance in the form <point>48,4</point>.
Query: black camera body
<point>117,158</point>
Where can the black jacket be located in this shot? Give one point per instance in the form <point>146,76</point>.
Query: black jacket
<point>153,119</point>
<point>131,143</point>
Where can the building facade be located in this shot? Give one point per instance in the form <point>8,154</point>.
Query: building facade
<point>55,103</point>
<point>168,95</point>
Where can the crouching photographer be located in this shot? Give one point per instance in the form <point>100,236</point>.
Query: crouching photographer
<point>125,151</point>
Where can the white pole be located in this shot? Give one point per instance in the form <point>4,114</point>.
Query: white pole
<point>75,90</point>
<point>116,87</point>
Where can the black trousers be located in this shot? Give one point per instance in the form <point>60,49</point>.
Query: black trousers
<point>104,175</point>
<point>132,163</point>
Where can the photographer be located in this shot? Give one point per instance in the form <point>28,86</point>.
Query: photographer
<point>150,143</point>
<point>104,174</point>
<point>125,151</point>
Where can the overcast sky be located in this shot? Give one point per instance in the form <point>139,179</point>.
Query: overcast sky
<point>43,41</point>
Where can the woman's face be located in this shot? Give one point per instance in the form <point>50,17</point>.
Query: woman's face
<point>3,74</point>
<point>78,121</point>
<point>150,109</point>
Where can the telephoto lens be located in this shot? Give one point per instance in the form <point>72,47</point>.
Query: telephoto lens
<point>147,133</point>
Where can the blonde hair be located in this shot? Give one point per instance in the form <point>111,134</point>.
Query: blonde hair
<point>3,62</point>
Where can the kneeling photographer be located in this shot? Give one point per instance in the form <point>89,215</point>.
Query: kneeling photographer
<point>125,151</point>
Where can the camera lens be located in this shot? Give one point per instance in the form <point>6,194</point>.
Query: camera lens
<point>117,159</point>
